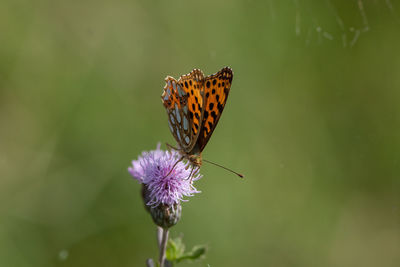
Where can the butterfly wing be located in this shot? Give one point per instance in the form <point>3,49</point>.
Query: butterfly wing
<point>183,101</point>
<point>216,90</point>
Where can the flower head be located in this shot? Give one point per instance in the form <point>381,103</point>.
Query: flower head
<point>153,170</point>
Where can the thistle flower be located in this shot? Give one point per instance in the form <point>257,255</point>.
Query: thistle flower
<point>163,189</point>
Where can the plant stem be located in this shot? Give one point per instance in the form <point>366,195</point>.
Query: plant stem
<point>163,246</point>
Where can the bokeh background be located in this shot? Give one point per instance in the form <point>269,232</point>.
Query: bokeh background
<point>312,120</point>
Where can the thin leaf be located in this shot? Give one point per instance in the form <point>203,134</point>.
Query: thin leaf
<point>196,253</point>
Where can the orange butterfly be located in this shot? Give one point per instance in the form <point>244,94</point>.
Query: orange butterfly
<point>194,105</point>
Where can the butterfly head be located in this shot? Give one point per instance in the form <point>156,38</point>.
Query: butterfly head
<point>195,159</point>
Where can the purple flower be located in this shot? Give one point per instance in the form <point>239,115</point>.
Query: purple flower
<point>152,168</point>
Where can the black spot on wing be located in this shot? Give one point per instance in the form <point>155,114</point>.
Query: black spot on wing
<point>220,107</point>
<point>214,115</point>
<point>211,106</point>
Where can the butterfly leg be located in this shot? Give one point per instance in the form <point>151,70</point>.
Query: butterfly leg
<point>171,147</point>
<point>193,172</point>
<point>173,167</point>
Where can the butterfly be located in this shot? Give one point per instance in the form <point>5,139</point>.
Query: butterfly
<point>194,105</point>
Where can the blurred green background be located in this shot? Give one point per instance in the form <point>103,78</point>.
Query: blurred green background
<point>312,120</point>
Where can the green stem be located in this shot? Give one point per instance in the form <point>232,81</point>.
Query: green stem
<point>163,246</point>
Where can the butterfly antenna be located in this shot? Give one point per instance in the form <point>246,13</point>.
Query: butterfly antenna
<point>238,174</point>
